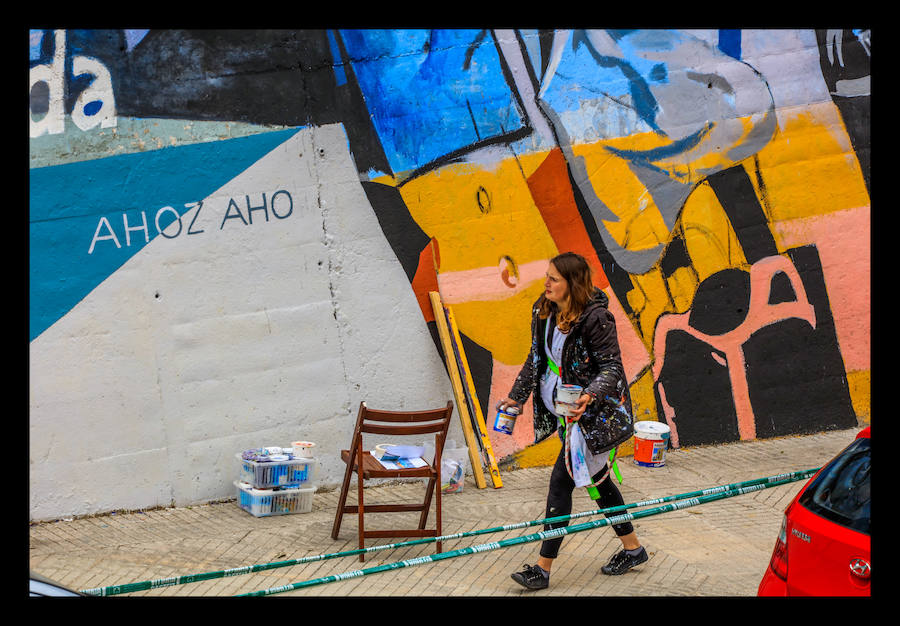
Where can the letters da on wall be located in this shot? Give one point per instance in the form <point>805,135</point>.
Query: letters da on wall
<point>74,87</point>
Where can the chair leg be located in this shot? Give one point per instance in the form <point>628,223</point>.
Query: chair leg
<point>437,511</point>
<point>432,490</point>
<point>342,501</point>
<point>361,514</point>
<point>429,491</point>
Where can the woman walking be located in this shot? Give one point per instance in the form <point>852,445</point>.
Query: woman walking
<point>573,341</point>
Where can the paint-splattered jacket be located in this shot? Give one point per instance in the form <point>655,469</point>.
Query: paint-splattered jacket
<point>590,358</point>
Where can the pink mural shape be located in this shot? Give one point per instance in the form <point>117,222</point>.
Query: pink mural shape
<point>760,313</point>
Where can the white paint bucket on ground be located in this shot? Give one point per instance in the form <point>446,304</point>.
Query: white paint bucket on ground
<point>651,439</point>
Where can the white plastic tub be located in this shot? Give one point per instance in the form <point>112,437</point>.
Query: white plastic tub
<point>266,502</point>
<point>287,473</point>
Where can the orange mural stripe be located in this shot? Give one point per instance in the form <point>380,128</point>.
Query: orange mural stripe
<point>552,193</point>
<point>425,280</point>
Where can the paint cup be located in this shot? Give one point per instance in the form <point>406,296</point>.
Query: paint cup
<point>651,438</point>
<point>506,420</point>
<point>569,393</point>
<point>303,449</point>
<point>567,398</point>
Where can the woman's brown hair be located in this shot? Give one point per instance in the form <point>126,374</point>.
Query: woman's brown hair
<point>577,273</point>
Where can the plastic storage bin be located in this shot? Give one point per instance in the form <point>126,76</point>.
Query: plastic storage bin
<point>262,503</point>
<point>291,473</point>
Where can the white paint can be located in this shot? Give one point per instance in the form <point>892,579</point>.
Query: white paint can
<point>567,399</point>
<point>651,439</point>
<point>303,449</point>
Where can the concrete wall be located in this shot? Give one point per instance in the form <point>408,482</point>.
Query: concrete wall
<point>233,235</point>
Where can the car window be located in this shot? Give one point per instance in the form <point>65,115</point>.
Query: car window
<point>840,492</point>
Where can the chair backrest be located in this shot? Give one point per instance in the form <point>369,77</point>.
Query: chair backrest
<point>404,423</point>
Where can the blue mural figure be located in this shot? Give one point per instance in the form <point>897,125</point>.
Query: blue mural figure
<point>433,95</point>
<point>694,97</point>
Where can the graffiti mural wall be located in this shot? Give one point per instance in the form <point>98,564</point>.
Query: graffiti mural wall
<point>233,235</point>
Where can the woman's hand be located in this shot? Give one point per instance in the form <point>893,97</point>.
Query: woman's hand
<point>508,403</point>
<point>580,406</point>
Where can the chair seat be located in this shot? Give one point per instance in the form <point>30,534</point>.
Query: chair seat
<point>372,468</point>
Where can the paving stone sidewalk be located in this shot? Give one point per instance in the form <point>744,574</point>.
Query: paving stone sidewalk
<point>719,548</point>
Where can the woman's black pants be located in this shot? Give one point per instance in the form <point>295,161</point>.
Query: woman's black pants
<point>559,502</point>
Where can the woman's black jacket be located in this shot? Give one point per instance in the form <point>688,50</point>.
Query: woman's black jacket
<point>590,358</point>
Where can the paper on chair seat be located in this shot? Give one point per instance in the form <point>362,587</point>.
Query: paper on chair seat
<point>398,463</point>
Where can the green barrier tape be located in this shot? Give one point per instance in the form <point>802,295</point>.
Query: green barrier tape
<point>249,569</point>
<point>485,547</point>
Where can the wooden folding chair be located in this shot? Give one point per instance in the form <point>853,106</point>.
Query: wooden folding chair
<point>394,423</point>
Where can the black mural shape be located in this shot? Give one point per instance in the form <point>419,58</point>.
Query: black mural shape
<point>736,194</point>
<point>403,233</point>
<point>278,77</point>
<point>253,76</point>
<point>480,362</point>
<point>848,60</point>
<point>721,302</point>
<point>795,374</point>
<point>675,256</point>
<point>697,384</point>
<point>698,387</point>
<point>481,366</point>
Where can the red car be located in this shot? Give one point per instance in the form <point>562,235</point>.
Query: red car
<point>824,547</point>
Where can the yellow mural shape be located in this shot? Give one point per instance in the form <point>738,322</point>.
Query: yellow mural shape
<point>640,225</point>
<point>480,215</point>
<point>810,168</point>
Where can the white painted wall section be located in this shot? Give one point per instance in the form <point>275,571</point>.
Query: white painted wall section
<point>243,336</point>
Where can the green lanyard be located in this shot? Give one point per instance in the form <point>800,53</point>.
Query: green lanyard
<point>615,464</point>
<point>553,366</point>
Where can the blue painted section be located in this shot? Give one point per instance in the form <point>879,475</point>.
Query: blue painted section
<point>625,74</point>
<point>531,39</point>
<point>431,92</point>
<point>68,201</point>
<point>93,107</point>
<point>340,77</point>
<point>134,36</point>
<point>730,42</point>
<point>646,157</point>
<point>35,37</point>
